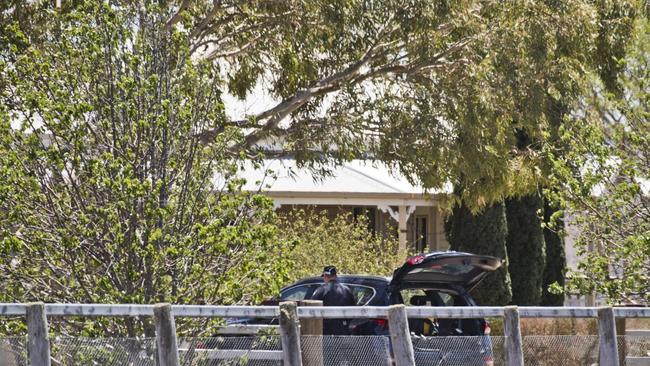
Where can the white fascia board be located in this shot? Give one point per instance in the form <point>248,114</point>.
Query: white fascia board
<point>350,201</point>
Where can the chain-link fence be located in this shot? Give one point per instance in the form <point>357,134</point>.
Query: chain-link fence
<point>634,346</point>
<point>577,350</point>
<point>346,350</point>
<point>13,351</point>
<point>565,350</point>
<point>226,351</point>
<point>79,351</point>
<point>455,351</point>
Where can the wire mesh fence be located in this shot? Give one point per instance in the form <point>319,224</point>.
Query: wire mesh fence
<point>634,346</point>
<point>346,350</point>
<point>578,350</point>
<point>542,350</point>
<point>226,351</point>
<point>454,351</point>
<point>13,351</point>
<point>79,351</point>
<point>566,350</point>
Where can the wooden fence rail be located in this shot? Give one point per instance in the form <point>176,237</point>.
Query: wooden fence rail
<point>290,317</point>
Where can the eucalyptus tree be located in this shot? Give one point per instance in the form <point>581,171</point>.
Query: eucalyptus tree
<point>603,180</point>
<point>438,88</point>
<point>555,268</point>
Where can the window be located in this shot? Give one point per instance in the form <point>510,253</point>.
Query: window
<point>420,234</point>
<point>297,293</point>
<point>362,294</point>
<point>369,213</point>
<point>420,297</point>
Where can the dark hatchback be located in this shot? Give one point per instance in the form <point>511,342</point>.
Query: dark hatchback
<point>430,279</point>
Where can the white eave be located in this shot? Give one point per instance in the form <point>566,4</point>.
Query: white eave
<point>358,182</point>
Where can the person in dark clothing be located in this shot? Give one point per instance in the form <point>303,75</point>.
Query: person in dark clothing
<point>334,293</point>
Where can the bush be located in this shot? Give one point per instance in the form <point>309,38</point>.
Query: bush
<point>313,240</point>
<point>526,249</point>
<point>554,271</point>
<point>483,233</point>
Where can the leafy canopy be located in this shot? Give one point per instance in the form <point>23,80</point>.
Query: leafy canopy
<point>438,88</point>
<point>603,180</point>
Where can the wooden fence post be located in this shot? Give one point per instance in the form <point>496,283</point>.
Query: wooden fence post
<point>620,331</point>
<point>512,331</point>
<point>290,334</point>
<point>400,336</point>
<point>608,351</point>
<point>38,338</point>
<point>166,335</point>
<point>313,354</point>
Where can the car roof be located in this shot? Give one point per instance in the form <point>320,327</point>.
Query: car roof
<point>444,281</point>
<point>343,278</point>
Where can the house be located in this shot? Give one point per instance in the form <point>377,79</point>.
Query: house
<point>391,204</point>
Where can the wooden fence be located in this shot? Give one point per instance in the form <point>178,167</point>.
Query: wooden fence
<point>293,319</point>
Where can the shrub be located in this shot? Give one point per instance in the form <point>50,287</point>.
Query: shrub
<point>314,239</point>
<point>483,233</point>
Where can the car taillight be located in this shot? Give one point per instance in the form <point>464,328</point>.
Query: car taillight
<point>486,328</point>
<point>381,322</point>
<point>415,260</point>
<point>489,361</point>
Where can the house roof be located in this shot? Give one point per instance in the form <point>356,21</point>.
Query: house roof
<point>357,177</point>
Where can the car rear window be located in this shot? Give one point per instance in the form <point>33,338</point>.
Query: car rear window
<point>445,268</point>
<point>362,294</point>
<point>421,297</point>
<point>297,293</point>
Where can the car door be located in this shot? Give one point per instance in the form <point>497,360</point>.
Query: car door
<point>444,269</point>
<point>299,292</point>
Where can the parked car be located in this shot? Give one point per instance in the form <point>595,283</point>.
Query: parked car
<point>430,279</point>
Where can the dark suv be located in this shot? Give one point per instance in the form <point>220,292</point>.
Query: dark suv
<point>430,279</point>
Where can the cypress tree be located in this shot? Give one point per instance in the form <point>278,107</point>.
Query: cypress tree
<point>555,257</point>
<point>484,233</point>
<point>526,249</point>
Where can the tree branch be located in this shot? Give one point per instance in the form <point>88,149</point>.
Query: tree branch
<point>177,16</point>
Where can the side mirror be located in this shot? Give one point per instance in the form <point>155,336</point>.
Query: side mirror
<point>272,301</point>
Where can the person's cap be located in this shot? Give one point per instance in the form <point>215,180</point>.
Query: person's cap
<point>329,271</point>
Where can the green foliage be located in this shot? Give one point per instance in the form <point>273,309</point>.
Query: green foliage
<point>602,181</point>
<point>555,269</point>
<point>434,88</point>
<point>483,233</point>
<point>106,193</point>
<point>526,249</point>
<point>113,125</point>
<point>316,239</point>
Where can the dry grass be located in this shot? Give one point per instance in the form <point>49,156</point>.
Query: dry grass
<point>641,323</point>
<point>558,326</point>
<point>549,326</point>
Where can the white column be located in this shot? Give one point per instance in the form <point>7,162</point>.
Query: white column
<point>440,240</point>
<point>432,237</point>
<point>401,216</point>
<point>402,228</point>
